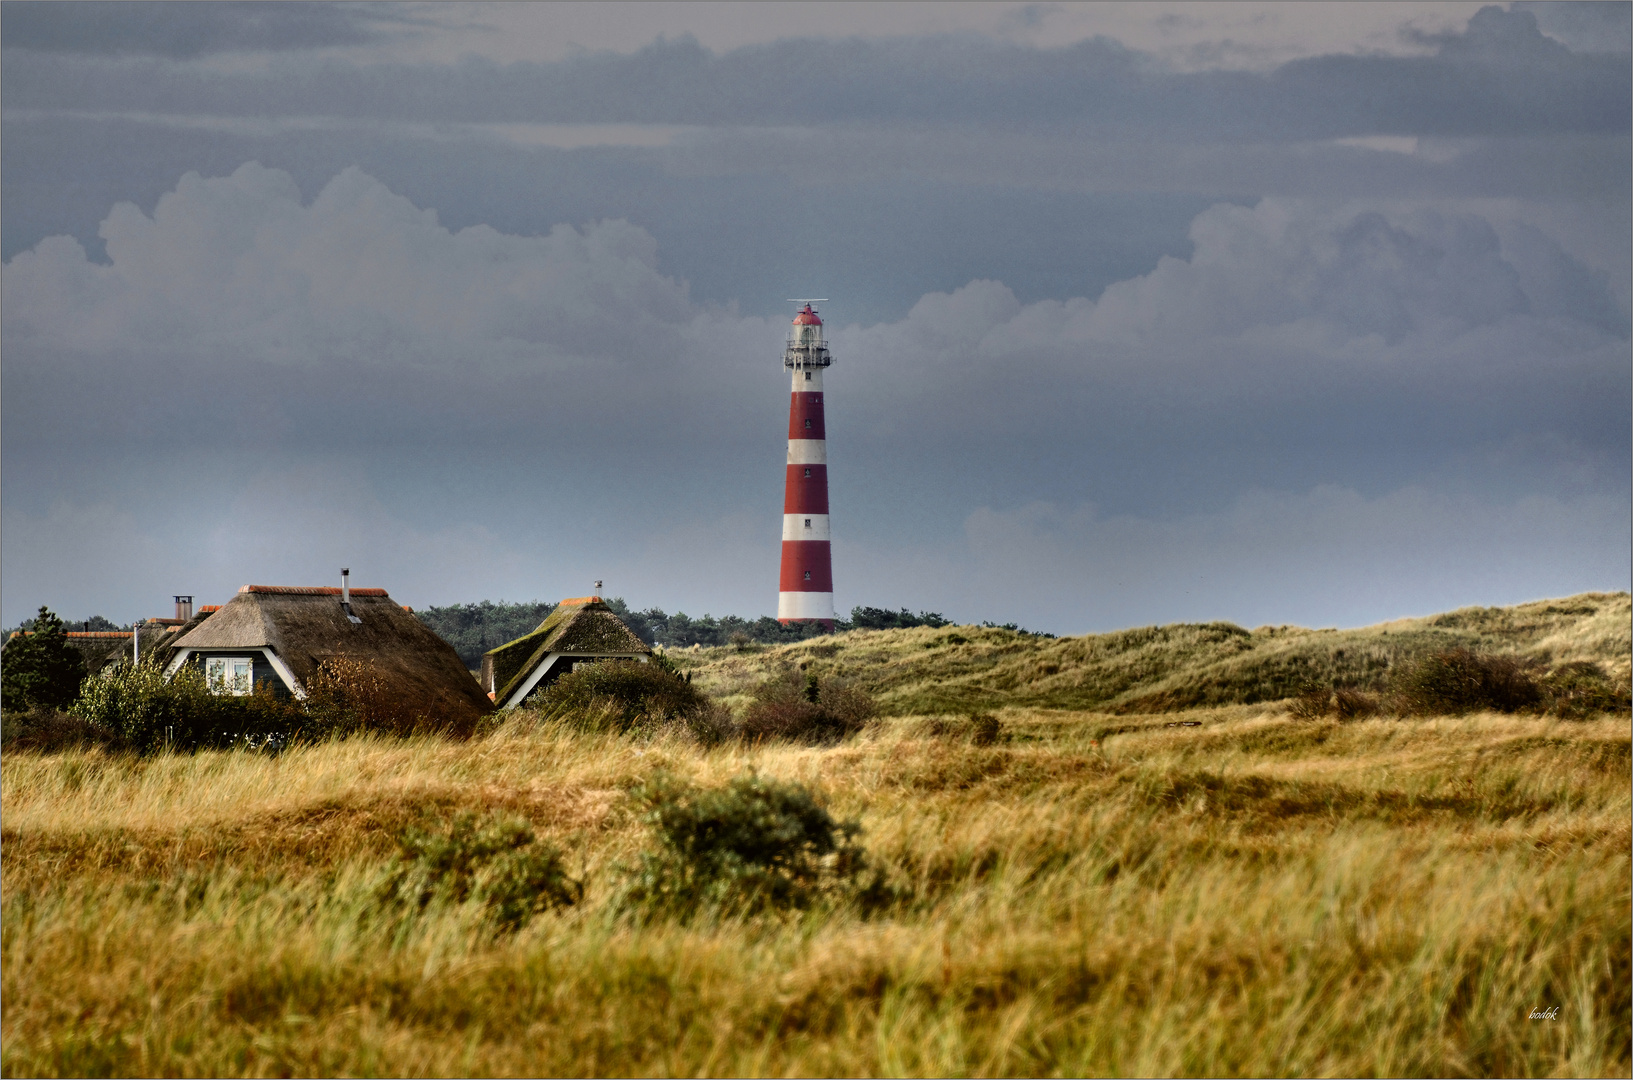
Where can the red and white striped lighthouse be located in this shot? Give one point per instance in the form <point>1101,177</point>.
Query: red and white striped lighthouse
<point>806,591</point>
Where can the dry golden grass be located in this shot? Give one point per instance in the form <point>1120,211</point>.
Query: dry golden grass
<point>1095,893</point>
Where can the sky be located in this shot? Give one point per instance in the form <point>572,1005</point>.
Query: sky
<point>1270,313</point>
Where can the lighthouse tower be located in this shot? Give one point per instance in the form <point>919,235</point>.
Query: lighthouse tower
<point>806,592</point>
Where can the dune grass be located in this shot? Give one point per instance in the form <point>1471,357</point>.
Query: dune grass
<point>1092,893</point>
<point>1158,668</point>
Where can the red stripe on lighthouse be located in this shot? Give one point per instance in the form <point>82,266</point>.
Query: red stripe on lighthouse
<point>805,417</point>
<point>806,494</point>
<point>801,557</point>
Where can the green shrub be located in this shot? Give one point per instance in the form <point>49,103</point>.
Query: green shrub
<point>806,709</point>
<point>1459,681</point>
<point>630,696</point>
<point>40,668</point>
<point>497,864</point>
<point>149,712</point>
<point>752,845</point>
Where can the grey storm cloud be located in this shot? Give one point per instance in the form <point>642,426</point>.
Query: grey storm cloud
<point>1502,76</point>
<point>182,31</point>
<point>357,319</point>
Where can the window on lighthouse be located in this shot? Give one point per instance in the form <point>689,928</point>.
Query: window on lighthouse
<point>807,575</point>
<point>807,473</point>
<point>807,423</point>
<point>807,523</point>
<point>807,376</point>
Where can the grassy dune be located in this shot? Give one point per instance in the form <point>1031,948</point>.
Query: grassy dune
<point>1158,668</point>
<point>1098,893</point>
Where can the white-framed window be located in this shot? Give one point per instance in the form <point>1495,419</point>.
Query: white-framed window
<point>230,674</point>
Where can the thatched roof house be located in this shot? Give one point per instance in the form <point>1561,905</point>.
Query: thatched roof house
<point>579,631</point>
<point>280,635</point>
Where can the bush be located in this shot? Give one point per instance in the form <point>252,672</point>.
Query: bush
<point>1460,681</point>
<point>40,668</point>
<point>1311,703</point>
<point>45,730</point>
<point>1351,704</point>
<point>752,845</point>
<point>497,864</point>
<point>148,712</point>
<point>985,729</point>
<point>806,709</point>
<point>345,695</point>
<point>629,696</point>
<point>1581,689</point>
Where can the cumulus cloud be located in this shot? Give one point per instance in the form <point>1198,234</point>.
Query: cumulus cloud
<point>1285,304</point>
<point>239,265</point>
<point>1286,297</point>
<point>1282,308</point>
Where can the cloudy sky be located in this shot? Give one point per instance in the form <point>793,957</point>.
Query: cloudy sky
<point>1261,312</point>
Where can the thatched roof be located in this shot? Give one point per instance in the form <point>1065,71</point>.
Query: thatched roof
<point>306,626</point>
<point>580,626</point>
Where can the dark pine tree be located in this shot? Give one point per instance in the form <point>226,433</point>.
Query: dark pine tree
<point>40,667</point>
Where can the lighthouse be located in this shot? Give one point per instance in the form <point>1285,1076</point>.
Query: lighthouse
<point>806,589</point>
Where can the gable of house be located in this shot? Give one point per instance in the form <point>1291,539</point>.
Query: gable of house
<point>582,626</point>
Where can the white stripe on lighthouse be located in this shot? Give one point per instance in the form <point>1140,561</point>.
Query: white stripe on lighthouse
<point>805,527</point>
<point>804,385</point>
<point>805,605</point>
<point>807,451</point>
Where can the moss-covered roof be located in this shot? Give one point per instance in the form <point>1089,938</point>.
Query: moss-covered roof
<point>582,625</point>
